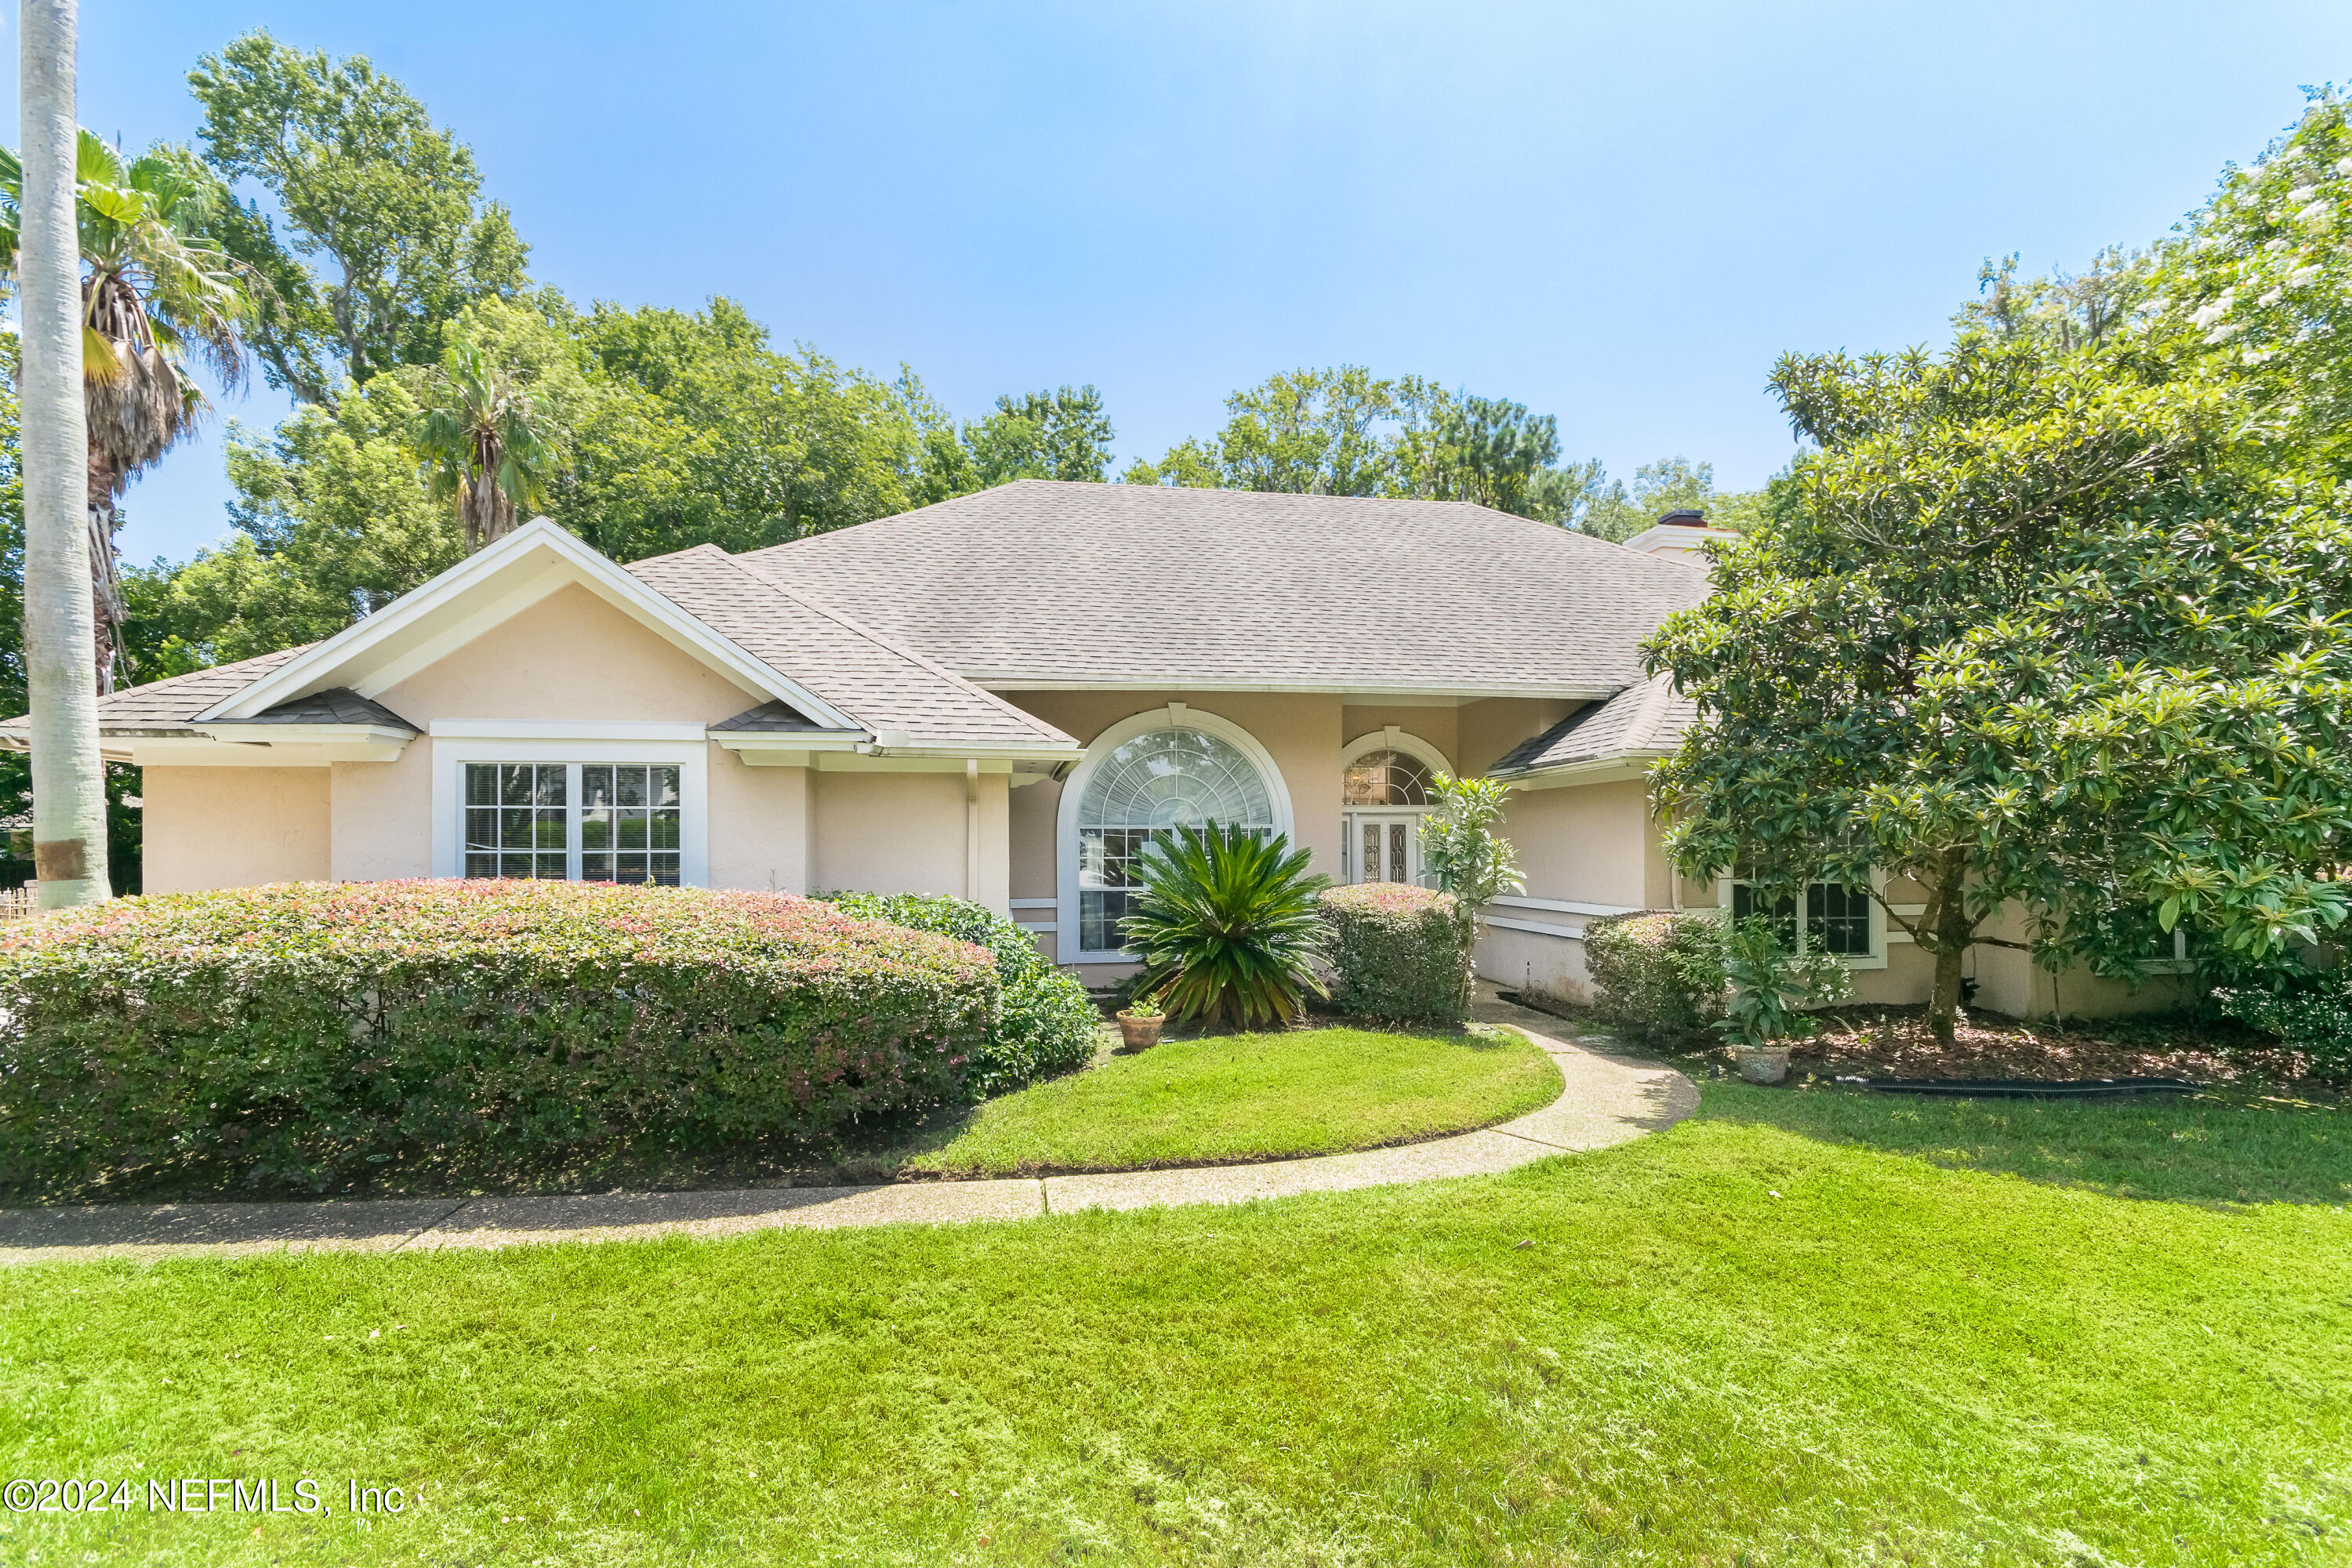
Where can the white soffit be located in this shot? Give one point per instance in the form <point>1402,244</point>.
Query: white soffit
<point>493,586</point>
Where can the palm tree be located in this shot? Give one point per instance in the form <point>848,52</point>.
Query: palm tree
<point>154,292</point>
<point>68,778</point>
<point>483,447</point>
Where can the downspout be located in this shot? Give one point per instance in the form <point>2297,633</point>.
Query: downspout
<point>972,828</point>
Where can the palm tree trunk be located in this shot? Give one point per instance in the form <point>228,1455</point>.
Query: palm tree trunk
<point>60,625</point>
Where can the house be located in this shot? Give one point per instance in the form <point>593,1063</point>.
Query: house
<point>1000,697</point>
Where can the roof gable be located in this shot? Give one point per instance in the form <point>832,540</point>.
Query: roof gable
<point>506,577</point>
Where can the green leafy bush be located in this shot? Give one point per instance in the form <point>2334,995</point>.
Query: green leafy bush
<point>1657,977</point>
<point>1771,985</point>
<point>1228,926</point>
<point>310,1032</point>
<point>1400,951</point>
<point>2315,1020</point>
<point>1044,1025</point>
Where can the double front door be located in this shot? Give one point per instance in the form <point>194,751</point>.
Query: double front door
<point>1383,845</point>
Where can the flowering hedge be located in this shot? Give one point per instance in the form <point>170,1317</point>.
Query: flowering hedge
<point>1641,967</point>
<point>1045,1023</point>
<point>1399,950</point>
<point>311,1032</point>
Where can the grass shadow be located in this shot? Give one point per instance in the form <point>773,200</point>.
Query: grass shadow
<point>2219,1146</point>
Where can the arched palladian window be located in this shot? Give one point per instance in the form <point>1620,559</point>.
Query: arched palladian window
<point>1387,778</point>
<point>1158,780</point>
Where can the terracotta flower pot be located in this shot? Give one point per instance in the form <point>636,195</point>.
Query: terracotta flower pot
<point>1762,1064</point>
<point>1142,1034</point>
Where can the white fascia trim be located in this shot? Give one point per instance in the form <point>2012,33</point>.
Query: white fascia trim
<point>1563,905</point>
<point>691,760</point>
<point>588,567</point>
<point>1534,928</point>
<point>200,751</point>
<point>750,741</point>
<point>1611,768</point>
<point>1041,753</point>
<point>307,735</point>
<point>1000,681</point>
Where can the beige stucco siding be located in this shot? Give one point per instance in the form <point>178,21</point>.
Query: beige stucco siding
<point>1587,844</point>
<point>383,815</point>
<point>762,822</point>
<point>1433,726</point>
<point>570,656</point>
<point>889,833</point>
<point>234,827</point>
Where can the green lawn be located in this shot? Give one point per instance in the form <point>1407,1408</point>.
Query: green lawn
<point>1803,1328</point>
<point>1244,1096</point>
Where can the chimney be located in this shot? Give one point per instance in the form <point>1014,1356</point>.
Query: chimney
<point>1682,520</point>
<point>1677,535</point>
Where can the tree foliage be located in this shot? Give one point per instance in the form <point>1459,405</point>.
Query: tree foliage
<point>2032,625</point>
<point>385,236</point>
<point>1059,434</point>
<point>1344,431</point>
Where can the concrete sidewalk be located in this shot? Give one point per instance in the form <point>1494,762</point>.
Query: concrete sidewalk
<point>1606,1100</point>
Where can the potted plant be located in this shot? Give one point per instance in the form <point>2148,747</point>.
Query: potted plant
<point>1769,986</point>
<point>1141,1022</point>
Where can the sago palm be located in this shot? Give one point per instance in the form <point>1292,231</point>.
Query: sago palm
<point>1228,926</point>
<point>155,293</point>
<point>483,447</point>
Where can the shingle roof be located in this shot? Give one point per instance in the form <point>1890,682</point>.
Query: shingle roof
<point>771,719</point>
<point>870,677</point>
<point>335,705</point>
<point>170,704</point>
<point>1056,582</point>
<point>1643,720</point>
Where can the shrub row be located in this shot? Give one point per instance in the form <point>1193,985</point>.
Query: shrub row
<point>1399,951</point>
<point>1639,966</point>
<point>1045,1023</point>
<point>309,1032</point>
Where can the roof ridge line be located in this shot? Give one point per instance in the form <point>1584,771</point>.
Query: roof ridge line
<point>818,607</point>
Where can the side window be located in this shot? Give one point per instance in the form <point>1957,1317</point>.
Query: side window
<point>593,822</point>
<point>1837,917</point>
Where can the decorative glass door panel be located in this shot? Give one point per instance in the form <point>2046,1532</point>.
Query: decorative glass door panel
<point>1383,847</point>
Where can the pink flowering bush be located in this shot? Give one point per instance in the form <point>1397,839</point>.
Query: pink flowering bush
<point>311,1033</point>
<point>1399,950</point>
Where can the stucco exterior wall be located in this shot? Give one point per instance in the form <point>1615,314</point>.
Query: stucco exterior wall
<point>761,825</point>
<point>897,833</point>
<point>383,815</point>
<point>570,656</point>
<point>1589,844</point>
<point>234,827</point>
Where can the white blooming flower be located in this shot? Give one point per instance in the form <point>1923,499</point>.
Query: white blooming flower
<point>2315,216</point>
<point>2301,276</point>
<point>2253,356</point>
<point>2270,299</point>
<point>2303,193</point>
<point>2205,315</point>
<point>2274,245</point>
<point>2343,165</point>
<point>2225,331</point>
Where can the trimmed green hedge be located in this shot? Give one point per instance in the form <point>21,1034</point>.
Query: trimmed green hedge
<point>1636,963</point>
<point>1399,951</point>
<point>1046,1024</point>
<point>311,1032</point>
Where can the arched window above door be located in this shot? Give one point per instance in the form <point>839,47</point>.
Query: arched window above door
<point>1386,777</point>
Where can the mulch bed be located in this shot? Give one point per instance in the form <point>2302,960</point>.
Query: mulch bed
<point>1894,1042</point>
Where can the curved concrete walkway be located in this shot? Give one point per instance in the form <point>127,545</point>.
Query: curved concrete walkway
<point>1605,1100</point>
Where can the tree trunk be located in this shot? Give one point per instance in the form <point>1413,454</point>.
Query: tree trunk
<point>1947,928</point>
<point>61,622</point>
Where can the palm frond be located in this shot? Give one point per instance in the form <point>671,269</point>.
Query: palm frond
<point>1228,926</point>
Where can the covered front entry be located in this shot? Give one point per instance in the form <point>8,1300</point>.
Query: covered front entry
<point>1384,798</point>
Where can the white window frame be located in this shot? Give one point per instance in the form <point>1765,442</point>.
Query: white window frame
<point>1175,716</point>
<point>692,762</point>
<point>1879,939</point>
<point>1391,739</point>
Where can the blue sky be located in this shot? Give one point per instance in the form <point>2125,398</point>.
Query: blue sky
<point>1615,213</point>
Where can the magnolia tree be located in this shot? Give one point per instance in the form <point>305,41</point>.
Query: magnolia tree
<point>2028,625</point>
